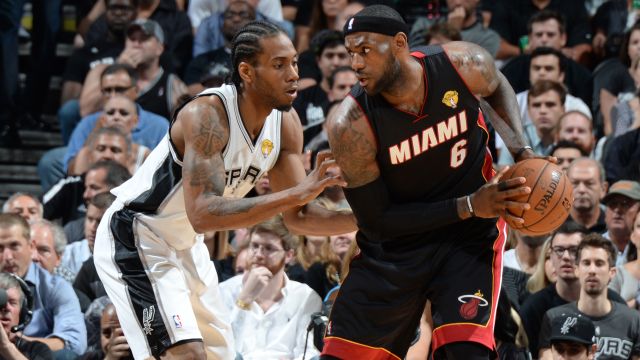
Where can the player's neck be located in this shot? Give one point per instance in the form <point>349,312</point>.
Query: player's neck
<point>402,93</point>
<point>596,306</point>
<point>253,112</point>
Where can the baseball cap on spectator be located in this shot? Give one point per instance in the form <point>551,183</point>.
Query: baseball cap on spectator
<point>148,27</point>
<point>628,188</point>
<point>573,328</point>
<point>215,72</point>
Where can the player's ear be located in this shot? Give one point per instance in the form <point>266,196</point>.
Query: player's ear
<point>246,72</point>
<point>400,40</point>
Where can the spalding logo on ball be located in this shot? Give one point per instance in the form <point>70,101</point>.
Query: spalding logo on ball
<point>550,199</point>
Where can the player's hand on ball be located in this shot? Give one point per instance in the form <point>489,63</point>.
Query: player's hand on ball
<point>319,179</point>
<point>497,196</point>
<point>254,281</point>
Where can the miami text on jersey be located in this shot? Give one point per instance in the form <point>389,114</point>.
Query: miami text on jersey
<point>429,138</point>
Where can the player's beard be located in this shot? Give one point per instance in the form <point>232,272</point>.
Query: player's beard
<point>390,74</point>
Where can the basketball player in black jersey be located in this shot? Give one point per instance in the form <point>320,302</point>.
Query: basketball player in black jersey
<point>411,141</point>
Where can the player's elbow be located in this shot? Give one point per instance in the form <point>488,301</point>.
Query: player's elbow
<point>197,219</point>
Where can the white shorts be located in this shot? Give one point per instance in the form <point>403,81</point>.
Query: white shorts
<point>163,296</point>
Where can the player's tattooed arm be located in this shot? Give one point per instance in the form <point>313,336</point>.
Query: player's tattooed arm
<point>477,68</point>
<point>289,172</point>
<point>353,144</point>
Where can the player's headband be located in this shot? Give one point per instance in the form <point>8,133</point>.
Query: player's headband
<point>374,24</point>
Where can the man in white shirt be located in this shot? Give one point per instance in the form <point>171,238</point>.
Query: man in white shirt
<point>269,312</point>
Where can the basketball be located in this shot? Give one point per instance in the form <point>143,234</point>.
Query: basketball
<point>551,196</point>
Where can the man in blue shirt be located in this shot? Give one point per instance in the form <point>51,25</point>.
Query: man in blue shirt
<point>117,79</point>
<point>57,320</point>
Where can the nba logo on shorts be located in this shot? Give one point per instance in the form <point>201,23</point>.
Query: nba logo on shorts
<point>177,322</point>
<point>351,23</point>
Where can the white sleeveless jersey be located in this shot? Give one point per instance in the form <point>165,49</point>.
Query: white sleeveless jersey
<point>155,190</point>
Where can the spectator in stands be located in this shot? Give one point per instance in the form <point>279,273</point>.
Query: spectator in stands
<point>547,29</point>
<point>589,187</point>
<point>159,88</point>
<point>311,103</point>
<point>67,200</point>
<point>108,143</point>
<point>577,127</point>
<point>202,11</point>
<point>324,276</point>
<point>544,273</point>
<point>524,256</point>
<point>24,204</point>
<point>313,17</point>
<point>215,34</point>
<point>565,151</point>
<point>616,79</point>
<point>625,114</point>
<point>49,242</point>
<point>463,16</point>
<point>12,345</point>
<point>545,106</point>
<point>618,334</point>
<point>175,25</point>
<point>77,253</point>
<point>621,206</point>
<point>265,301</point>
<point>442,33</point>
<point>626,282</point>
<point>572,337</point>
<point>57,320</point>
<point>217,30</point>
<point>621,157</point>
<point>101,50</point>
<point>564,245</point>
<point>511,19</point>
<point>113,344</point>
<point>116,79</point>
<point>609,23</point>
<point>549,64</point>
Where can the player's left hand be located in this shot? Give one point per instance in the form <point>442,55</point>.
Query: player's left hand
<point>495,197</point>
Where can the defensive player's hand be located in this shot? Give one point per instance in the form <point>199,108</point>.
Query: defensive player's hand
<point>118,346</point>
<point>494,198</point>
<point>254,281</point>
<point>318,179</point>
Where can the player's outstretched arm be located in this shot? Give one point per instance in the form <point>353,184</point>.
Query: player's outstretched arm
<point>310,219</point>
<point>476,66</point>
<point>204,126</point>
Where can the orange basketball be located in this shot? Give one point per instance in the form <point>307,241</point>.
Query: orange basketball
<point>551,196</point>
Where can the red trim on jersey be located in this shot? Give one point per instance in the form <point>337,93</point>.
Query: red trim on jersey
<point>375,138</point>
<point>346,349</point>
<point>487,167</point>
<point>482,334</point>
<point>418,54</point>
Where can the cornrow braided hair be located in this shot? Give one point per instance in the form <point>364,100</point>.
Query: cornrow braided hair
<point>246,45</point>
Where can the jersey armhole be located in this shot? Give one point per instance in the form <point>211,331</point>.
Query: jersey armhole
<point>373,132</point>
<point>175,116</point>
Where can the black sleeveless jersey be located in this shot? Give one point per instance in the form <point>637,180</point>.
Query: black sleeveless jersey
<point>437,154</point>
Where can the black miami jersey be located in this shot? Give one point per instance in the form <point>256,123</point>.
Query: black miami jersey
<point>438,153</point>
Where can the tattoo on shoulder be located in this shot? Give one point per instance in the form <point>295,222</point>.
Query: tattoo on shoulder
<point>210,132</point>
<point>472,58</point>
<point>353,150</point>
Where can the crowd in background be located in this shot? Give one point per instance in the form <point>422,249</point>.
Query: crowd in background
<point>573,64</point>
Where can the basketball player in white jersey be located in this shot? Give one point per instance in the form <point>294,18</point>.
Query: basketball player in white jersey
<point>149,252</point>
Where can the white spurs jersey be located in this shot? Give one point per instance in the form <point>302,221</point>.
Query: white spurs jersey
<point>155,190</point>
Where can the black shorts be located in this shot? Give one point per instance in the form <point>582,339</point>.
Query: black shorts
<point>379,304</point>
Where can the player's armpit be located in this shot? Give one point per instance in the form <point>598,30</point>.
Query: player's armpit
<point>353,144</point>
